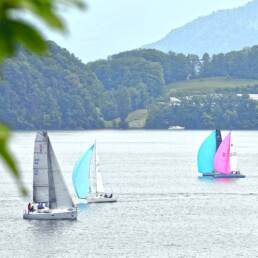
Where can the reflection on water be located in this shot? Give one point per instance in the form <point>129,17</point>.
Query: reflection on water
<point>82,207</point>
<point>218,180</point>
<point>164,208</point>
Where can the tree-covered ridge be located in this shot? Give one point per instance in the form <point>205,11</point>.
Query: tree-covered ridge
<point>60,92</point>
<point>237,64</point>
<point>228,111</point>
<point>56,91</point>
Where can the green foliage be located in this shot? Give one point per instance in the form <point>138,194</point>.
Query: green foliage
<point>237,64</point>
<point>52,92</point>
<point>129,72</point>
<point>124,103</point>
<point>207,112</point>
<point>8,158</point>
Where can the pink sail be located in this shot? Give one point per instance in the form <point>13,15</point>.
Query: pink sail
<point>222,157</point>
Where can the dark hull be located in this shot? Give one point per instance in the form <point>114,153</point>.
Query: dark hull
<point>216,175</point>
<point>208,174</point>
<point>229,176</point>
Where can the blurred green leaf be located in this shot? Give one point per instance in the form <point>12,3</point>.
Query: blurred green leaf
<point>29,37</point>
<point>8,158</point>
<point>16,31</point>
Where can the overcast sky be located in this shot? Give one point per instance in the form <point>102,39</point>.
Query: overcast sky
<point>112,26</point>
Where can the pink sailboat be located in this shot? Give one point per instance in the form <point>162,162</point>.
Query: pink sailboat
<point>225,161</point>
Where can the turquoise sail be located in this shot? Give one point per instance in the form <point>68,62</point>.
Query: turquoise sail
<point>81,174</point>
<point>207,153</point>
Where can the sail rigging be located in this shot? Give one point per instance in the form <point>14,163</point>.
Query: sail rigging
<point>218,138</point>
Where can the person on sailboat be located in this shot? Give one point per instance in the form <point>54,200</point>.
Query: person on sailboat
<point>30,207</point>
<point>40,206</point>
<point>108,195</point>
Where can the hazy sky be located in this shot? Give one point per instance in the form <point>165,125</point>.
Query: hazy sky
<point>112,26</point>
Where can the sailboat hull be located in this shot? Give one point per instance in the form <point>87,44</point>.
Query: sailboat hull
<point>100,200</point>
<point>217,175</point>
<point>51,215</point>
<point>208,174</point>
<point>229,176</point>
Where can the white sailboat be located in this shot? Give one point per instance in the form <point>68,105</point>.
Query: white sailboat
<point>51,198</point>
<point>87,178</point>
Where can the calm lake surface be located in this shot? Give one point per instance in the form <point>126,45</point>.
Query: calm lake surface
<point>164,209</point>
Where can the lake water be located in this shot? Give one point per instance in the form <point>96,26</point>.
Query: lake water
<point>164,209</point>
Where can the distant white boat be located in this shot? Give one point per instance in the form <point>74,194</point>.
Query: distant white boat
<point>87,179</point>
<point>51,198</point>
<point>176,128</point>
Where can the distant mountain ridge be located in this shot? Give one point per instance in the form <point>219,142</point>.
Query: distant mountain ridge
<point>219,32</point>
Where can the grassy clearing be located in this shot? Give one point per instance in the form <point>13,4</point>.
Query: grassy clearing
<point>206,85</point>
<point>137,119</point>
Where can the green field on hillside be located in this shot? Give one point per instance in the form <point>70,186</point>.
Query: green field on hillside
<point>200,86</point>
<point>137,119</point>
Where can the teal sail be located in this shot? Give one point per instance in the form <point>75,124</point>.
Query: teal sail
<point>207,153</point>
<point>81,174</point>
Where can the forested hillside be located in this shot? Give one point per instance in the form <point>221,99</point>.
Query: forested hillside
<point>56,92</point>
<point>60,92</point>
<point>206,112</point>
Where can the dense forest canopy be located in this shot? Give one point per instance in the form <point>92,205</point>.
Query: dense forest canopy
<point>60,92</point>
<point>207,112</point>
<point>56,92</point>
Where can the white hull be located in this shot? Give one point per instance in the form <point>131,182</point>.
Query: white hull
<point>100,199</point>
<point>51,215</point>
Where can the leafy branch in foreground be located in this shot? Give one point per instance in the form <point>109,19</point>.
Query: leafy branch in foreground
<point>15,31</point>
<point>8,158</point>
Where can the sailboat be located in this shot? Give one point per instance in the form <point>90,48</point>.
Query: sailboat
<point>51,198</point>
<point>218,158</point>
<point>87,178</point>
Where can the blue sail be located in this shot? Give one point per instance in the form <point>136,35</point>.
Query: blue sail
<point>81,174</point>
<point>207,153</point>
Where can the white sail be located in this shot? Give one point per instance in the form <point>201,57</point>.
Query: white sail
<point>233,155</point>
<point>99,181</point>
<point>59,196</point>
<point>40,169</point>
<point>92,176</point>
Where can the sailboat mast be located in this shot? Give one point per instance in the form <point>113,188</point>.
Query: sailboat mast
<point>51,187</point>
<point>218,138</point>
<point>95,167</point>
